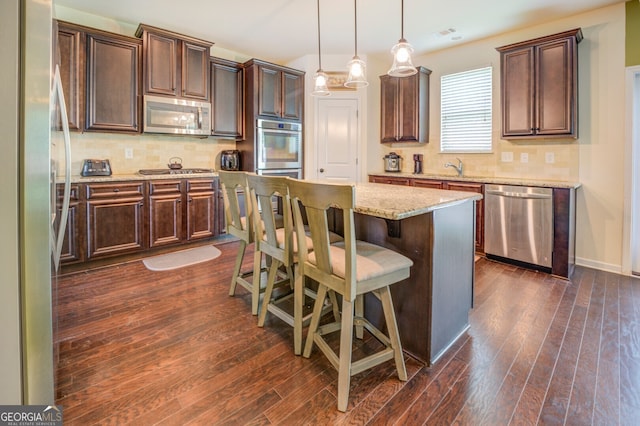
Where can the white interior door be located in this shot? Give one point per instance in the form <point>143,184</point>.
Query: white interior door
<point>337,139</point>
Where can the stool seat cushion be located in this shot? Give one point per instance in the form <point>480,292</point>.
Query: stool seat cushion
<point>372,260</point>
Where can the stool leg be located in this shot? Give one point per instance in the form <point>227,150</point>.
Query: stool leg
<point>315,319</point>
<point>359,313</point>
<point>273,271</point>
<point>256,280</point>
<point>237,267</point>
<point>298,305</point>
<point>392,327</point>
<point>344,367</point>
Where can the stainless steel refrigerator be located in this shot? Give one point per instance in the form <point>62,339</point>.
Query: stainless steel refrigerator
<point>26,352</point>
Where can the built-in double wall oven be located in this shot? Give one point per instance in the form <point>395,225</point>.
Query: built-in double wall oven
<point>278,148</point>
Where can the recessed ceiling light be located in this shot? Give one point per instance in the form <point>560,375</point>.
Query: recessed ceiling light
<point>444,32</point>
<point>456,38</point>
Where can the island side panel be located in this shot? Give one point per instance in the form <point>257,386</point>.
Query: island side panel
<point>453,275</point>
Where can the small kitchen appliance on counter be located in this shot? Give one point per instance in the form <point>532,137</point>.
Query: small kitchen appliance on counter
<point>417,164</point>
<point>230,160</point>
<point>96,168</point>
<point>392,162</point>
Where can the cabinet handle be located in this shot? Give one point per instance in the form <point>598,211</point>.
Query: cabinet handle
<point>321,170</point>
<point>190,199</point>
<point>178,200</point>
<point>116,189</point>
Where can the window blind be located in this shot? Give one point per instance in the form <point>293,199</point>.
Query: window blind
<point>466,111</point>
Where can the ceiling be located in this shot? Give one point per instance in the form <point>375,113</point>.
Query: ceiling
<point>282,30</point>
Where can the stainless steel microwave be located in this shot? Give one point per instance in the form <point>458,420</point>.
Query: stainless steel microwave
<point>176,116</point>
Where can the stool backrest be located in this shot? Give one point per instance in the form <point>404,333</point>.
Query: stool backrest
<point>319,201</point>
<point>264,191</point>
<point>237,208</point>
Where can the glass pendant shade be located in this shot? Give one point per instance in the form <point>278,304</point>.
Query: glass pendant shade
<point>402,65</point>
<point>357,73</point>
<point>320,84</point>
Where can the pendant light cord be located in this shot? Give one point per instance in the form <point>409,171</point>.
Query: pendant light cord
<point>355,19</point>
<point>402,19</point>
<point>319,56</point>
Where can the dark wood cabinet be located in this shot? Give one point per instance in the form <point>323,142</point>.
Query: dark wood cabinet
<point>472,187</point>
<point>404,107</point>
<point>390,180</point>
<point>100,74</point>
<point>69,57</point>
<point>113,95</point>
<point>539,93</point>
<point>165,213</point>
<point>114,218</point>
<point>201,208</point>
<point>273,90</point>
<point>427,183</point>
<point>174,64</point>
<point>72,251</point>
<point>227,99</point>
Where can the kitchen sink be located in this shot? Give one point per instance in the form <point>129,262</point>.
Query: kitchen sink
<point>173,171</point>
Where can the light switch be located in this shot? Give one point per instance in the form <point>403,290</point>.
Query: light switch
<point>524,157</point>
<point>128,153</point>
<point>507,157</point>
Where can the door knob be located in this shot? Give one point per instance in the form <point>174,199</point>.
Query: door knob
<point>321,170</point>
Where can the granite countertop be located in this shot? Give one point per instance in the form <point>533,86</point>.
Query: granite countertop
<point>495,180</point>
<point>375,199</point>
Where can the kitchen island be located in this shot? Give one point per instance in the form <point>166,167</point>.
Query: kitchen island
<point>435,229</point>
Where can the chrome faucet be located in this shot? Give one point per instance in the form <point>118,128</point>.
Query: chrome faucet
<point>458,167</point>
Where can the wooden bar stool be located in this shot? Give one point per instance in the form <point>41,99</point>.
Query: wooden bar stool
<point>270,195</point>
<point>350,268</point>
<point>239,218</point>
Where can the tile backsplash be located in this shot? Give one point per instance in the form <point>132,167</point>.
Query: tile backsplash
<point>148,151</point>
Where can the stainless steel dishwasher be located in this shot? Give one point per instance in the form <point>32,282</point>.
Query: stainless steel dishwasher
<point>519,224</point>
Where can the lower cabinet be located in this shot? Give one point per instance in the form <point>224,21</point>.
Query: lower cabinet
<point>120,218</point>
<point>114,218</point>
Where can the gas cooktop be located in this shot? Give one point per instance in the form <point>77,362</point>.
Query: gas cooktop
<point>173,171</point>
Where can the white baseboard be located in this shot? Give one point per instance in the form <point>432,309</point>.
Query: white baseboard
<point>609,267</point>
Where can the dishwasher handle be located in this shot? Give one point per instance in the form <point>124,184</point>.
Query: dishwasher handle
<point>517,194</point>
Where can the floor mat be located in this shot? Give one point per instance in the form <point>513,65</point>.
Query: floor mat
<point>182,258</point>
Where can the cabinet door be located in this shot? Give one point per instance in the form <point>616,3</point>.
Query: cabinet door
<point>388,108</point>
<point>227,99</point>
<point>556,97</point>
<point>195,71</point>
<point>390,180</point>
<point>112,85</point>
<point>293,95</point>
<point>165,213</point>
<point>201,209</point>
<point>68,58</point>
<point>518,92</point>
<point>479,188</point>
<point>270,92</point>
<point>408,105</point>
<point>72,243</point>
<point>161,61</point>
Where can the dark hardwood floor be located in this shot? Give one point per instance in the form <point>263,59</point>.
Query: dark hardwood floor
<point>172,348</point>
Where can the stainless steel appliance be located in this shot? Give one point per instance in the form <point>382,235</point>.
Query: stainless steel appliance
<point>278,145</point>
<point>230,160</point>
<point>519,224</point>
<point>392,162</point>
<point>176,116</point>
<point>96,168</point>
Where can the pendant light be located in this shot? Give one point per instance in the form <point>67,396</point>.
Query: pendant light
<point>402,65</point>
<point>357,68</point>
<point>320,79</point>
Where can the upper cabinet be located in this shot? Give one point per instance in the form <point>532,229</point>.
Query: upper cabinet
<point>174,64</point>
<point>540,87</point>
<point>404,107</point>
<point>100,73</point>
<point>273,90</point>
<point>227,99</point>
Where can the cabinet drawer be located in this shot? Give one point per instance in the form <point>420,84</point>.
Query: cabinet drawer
<point>164,187</point>
<point>110,190</point>
<point>74,193</point>
<point>200,185</point>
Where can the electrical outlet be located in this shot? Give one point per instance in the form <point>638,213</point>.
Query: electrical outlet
<point>524,157</point>
<point>507,157</point>
<point>549,158</point>
<point>128,153</point>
